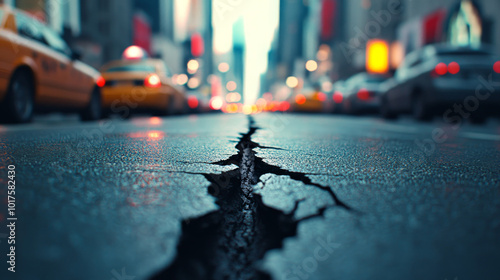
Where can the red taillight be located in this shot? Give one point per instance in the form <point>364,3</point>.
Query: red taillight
<point>338,97</point>
<point>363,94</point>
<point>496,67</point>
<point>321,96</point>
<point>284,106</point>
<point>100,81</point>
<point>152,81</point>
<point>441,69</point>
<point>300,99</point>
<point>193,102</point>
<point>453,68</point>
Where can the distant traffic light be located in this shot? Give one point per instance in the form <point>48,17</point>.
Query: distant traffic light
<point>377,56</point>
<point>197,45</point>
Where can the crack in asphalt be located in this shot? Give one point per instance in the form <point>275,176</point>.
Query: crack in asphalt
<point>229,243</point>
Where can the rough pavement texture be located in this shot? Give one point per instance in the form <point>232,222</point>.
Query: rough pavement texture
<point>333,198</point>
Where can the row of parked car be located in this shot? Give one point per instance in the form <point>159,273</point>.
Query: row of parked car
<point>40,72</point>
<point>439,79</point>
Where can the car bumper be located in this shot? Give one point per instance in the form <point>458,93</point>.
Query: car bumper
<point>370,105</point>
<point>135,98</point>
<point>451,92</point>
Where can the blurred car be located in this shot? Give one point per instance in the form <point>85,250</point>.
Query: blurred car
<point>137,83</point>
<point>39,71</point>
<point>362,93</point>
<point>308,101</point>
<point>338,97</point>
<point>199,100</point>
<point>435,78</point>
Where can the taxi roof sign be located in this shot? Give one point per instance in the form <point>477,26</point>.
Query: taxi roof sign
<point>134,52</point>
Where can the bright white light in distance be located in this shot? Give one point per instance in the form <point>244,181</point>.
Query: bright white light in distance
<point>231,86</point>
<point>193,82</point>
<point>182,79</point>
<point>216,103</point>
<point>193,66</point>
<point>292,82</point>
<point>311,65</point>
<point>223,67</point>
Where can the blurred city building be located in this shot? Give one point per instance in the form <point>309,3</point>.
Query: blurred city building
<point>334,34</point>
<point>106,30</point>
<point>291,36</point>
<point>182,36</point>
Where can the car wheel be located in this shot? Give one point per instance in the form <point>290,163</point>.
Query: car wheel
<point>421,110</point>
<point>386,112</point>
<point>93,111</point>
<point>19,103</point>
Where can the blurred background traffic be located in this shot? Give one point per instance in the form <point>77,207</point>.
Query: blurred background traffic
<point>390,57</point>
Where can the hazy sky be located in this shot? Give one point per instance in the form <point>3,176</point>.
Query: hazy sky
<point>261,19</point>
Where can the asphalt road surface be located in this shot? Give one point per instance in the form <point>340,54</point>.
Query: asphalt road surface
<point>273,196</point>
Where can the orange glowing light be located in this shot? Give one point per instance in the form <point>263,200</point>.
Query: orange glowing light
<point>255,109</point>
<point>397,54</point>
<point>377,56</point>
<point>274,106</point>
<point>232,108</point>
<point>154,135</point>
<point>154,121</point>
<point>300,99</point>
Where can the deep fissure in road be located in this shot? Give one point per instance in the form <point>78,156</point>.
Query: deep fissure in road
<point>228,243</point>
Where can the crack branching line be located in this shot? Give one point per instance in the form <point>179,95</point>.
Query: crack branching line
<point>263,168</point>
<point>228,243</point>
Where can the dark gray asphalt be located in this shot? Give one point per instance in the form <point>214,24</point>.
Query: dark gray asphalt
<point>106,200</point>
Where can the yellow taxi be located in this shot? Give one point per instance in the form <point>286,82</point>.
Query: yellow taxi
<point>312,102</point>
<point>39,71</point>
<point>139,83</point>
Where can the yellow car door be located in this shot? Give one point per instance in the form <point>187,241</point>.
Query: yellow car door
<point>7,49</point>
<point>75,83</point>
<point>52,65</point>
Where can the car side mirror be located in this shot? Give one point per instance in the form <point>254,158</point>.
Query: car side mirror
<point>76,55</point>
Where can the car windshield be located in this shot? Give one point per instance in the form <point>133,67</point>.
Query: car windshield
<point>132,68</point>
<point>55,41</point>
